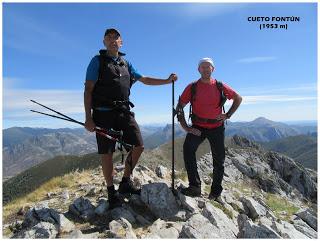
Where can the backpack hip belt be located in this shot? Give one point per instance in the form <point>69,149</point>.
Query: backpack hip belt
<point>196,118</point>
<point>118,104</point>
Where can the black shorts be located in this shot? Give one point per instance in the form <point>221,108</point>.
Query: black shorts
<point>117,121</point>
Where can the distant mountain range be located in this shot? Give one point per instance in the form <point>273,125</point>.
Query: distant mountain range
<point>25,147</point>
<point>163,135</point>
<point>302,148</point>
<point>263,130</point>
<point>259,130</point>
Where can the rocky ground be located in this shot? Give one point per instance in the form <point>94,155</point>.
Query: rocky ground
<point>256,184</point>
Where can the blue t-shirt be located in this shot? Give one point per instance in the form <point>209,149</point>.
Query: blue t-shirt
<point>93,70</point>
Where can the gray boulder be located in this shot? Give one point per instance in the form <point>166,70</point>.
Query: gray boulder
<point>136,203</point>
<point>77,234</point>
<point>64,224</point>
<point>287,230</point>
<point>82,208</point>
<point>188,203</point>
<point>247,229</point>
<point>254,208</point>
<point>47,215</point>
<point>294,174</point>
<point>159,199</point>
<point>42,230</point>
<point>121,228</point>
<point>309,217</point>
<point>304,228</point>
<point>103,206</point>
<point>161,171</point>
<point>199,227</point>
<point>122,213</point>
<point>40,214</point>
<point>162,229</point>
<point>226,228</point>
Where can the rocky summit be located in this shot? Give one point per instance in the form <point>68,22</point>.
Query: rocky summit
<point>266,195</point>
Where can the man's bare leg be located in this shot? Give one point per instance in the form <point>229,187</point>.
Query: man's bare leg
<point>135,155</point>
<point>107,168</point>
<point>132,159</point>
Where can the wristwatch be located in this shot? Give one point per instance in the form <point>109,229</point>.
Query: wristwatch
<point>228,115</point>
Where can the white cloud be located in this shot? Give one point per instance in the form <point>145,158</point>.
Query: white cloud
<point>300,89</point>
<point>259,99</point>
<point>256,59</point>
<point>12,82</point>
<point>16,101</point>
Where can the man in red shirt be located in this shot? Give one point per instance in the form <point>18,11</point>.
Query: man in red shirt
<point>207,122</point>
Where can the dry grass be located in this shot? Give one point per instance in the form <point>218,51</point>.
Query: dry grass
<point>182,175</point>
<point>223,208</point>
<point>55,185</point>
<point>279,204</point>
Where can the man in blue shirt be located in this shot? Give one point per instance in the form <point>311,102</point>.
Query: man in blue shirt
<point>106,99</point>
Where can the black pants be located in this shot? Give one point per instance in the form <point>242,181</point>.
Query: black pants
<point>190,146</point>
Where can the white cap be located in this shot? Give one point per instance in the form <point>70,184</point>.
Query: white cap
<point>206,60</point>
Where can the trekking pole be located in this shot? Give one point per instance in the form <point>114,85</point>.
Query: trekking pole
<point>173,114</point>
<point>73,120</point>
<point>68,118</point>
<point>98,130</point>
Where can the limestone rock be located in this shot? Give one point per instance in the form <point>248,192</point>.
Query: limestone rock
<point>287,230</point>
<point>82,208</point>
<point>304,228</point>
<point>226,228</point>
<point>308,216</point>
<point>161,171</point>
<point>247,229</point>
<point>199,227</point>
<point>42,230</point>
<point>255,209</point>
<point>122,229</point>
<point>159,199</point>
<point>122,213</point>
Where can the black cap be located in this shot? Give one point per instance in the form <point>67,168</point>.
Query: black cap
<point>112,30</point>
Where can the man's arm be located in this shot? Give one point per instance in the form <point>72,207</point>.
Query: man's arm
<point>180,116</point>
<point>237,99</point>
<point>154,81</point>
<point>182,120</point>
<point>89,86</point>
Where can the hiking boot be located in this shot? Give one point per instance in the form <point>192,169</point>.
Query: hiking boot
<point>114,201</point>
<point>113,198</point>
<point>215,197</point>
<point>191,191</point>
<point>126,187</point>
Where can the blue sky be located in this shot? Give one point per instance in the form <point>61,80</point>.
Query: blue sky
<point>47,47</point>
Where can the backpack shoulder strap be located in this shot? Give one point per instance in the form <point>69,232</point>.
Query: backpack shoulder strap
<point>223,98</point>
<point>193,92</point>
<point>124,61</point>
<point>193,97</point>
<point>102,62</point>
<point>220,85</point>
<point>126,64</point>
